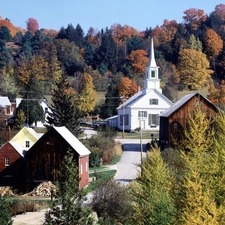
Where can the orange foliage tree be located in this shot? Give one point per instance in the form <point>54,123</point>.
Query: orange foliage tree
<point>9,25</point>
<point>121,33</point>
<point>217,95</point>
<point>220,11</point>
<point>213,43</point>
<point>168,30</point>
<point>127,87</point>
<point>138,60</point>
<point>194,17</point>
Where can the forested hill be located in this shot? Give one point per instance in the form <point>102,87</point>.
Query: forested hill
<point>190,55</point>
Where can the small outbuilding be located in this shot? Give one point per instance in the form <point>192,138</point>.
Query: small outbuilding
<point>173,121</point>
<point>45,157</point>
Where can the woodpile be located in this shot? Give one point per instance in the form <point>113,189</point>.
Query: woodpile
<point>6,190</point>
<point>43,189</point>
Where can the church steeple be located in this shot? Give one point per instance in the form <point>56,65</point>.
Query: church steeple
<point>152,81</point>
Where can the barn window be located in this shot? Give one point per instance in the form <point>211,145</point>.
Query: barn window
<point>154,101</point>
<point>7,161</point>
<point>27,144</point>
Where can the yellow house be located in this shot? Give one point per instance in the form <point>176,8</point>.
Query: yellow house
<point>26,137</point>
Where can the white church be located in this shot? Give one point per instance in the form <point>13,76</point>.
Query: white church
<point>142,109</point>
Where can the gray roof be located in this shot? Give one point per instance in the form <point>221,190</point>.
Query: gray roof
<point>19,148</point>
<point>72,141</point>
<point>180,103</point>
<point>4,101</point>
<point>139,95</point>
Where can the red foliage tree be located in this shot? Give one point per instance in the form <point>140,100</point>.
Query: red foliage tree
<point>32,25</point>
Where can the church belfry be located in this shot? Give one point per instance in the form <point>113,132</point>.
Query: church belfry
<point>152,81</point>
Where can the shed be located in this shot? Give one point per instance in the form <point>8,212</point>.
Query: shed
<point>173,121</point>
<point>45,157</point>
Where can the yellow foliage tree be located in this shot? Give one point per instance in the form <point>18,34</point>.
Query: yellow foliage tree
<point>87,97</point>
<point>193,69</point>
<point>35,66</point>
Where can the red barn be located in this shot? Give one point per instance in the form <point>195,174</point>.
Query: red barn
<point>44,158</point>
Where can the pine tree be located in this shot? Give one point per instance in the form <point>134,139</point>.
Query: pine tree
<point>64,112</point>
<point>66,207</point>
<point>5,215</point>
<point>152,193</point>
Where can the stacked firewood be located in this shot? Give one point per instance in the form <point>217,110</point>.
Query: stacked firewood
<point>6,190</point>
<point>43,189</point>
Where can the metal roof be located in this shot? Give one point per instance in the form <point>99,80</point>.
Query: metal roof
<point>4,101</point>
<point>19,148</point>
<point>180,103</point>
<point>72,141</point>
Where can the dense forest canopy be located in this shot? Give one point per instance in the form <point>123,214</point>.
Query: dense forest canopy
<point>33,58</point>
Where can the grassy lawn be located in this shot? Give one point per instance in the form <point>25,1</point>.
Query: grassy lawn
<point>145,135</point>
<point>101,178</point>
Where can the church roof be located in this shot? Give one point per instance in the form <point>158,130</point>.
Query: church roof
<point>135,98</point>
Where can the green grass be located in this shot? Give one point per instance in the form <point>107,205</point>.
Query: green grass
<point>145,135</point>
<point>101,178</point>
<point>115,159</point>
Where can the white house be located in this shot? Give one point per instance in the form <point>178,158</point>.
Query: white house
<point>43,103</point>
<point>143,108</point>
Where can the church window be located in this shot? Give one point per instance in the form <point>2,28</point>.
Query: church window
<point>154,101</point>
<point>153,74</point>
<point>153,120</point>
<point>142,113</point>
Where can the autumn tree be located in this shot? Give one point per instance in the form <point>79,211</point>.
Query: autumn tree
<point>138,60</point>
<point>220,11</point>
<point>36,66</point>
<point>87,97</point>
<point>194,17</point>
<point>9,25</point>
<point>193,69</point>
<point>127,87</point>
<point>196,200</point>
<point>32,25</point>
<point>20,119</point>
<point>213,45</point>
<point>152,192</point>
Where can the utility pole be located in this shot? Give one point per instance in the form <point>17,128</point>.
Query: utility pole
<point>141,147</point>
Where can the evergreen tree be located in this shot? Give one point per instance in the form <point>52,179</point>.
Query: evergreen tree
<point>66,207</point>
<point>5,215</point>
<point>5,34</point>
<point>152,193</point>
<point>63,110</point>
<point>5,55</point>
<point>79,36</point>
<point>112,101</point>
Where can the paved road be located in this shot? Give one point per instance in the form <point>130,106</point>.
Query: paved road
<point>129,166</point>
<point>127,170</point>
